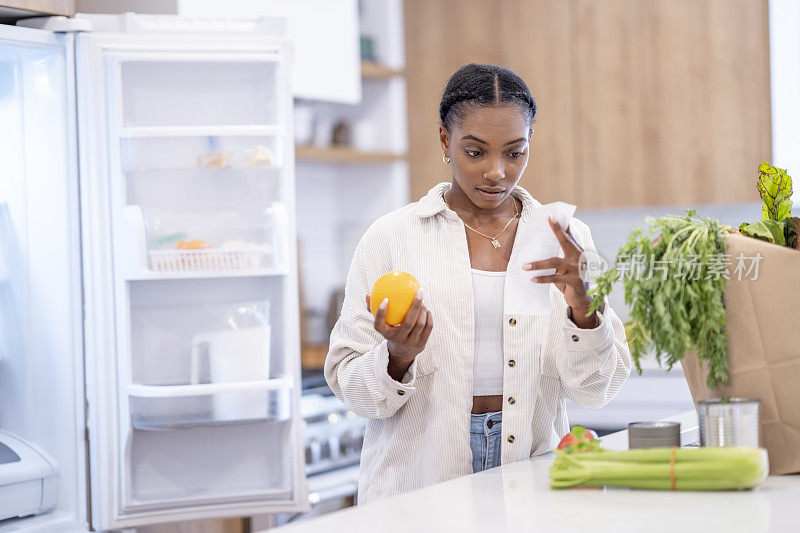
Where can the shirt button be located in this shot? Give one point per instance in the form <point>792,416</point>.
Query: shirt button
<point>511,362</point>
<point>512,321</point>
<point>511,438</point>
<point>576,338</point>
<point>511,400</point>
<point>401,392</point>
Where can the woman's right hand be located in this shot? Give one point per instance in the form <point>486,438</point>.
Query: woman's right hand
<point>407,339</point>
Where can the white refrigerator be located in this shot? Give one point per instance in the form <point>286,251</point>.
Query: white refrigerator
<point>149,334</point>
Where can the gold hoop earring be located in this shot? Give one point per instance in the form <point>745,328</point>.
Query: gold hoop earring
<point>445,158</point>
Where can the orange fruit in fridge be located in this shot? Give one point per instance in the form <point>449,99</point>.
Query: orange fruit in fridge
<point>195,244</point>
<point>400,287</point>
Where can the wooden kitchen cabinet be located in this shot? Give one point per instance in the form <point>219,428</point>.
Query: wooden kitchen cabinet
<point>44,7</point>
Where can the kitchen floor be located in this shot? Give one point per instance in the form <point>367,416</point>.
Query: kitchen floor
<point>229,525</point>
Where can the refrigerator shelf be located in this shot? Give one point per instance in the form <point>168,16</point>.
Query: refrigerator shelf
<point>166,407</point>
<point>202,149</point>
<point>164,244</point>
<point>196,89</point>
<point>149,275</point>
<point>202,131</point>
<point>168,498</point>
<point>176,391</point>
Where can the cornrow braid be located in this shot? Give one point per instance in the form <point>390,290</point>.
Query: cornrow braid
<point>483,85</point>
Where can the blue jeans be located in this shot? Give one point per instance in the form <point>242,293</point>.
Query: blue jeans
<point>484,439</point>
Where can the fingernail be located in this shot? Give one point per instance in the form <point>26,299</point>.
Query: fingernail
<point>384,303</point>
<point>526,266</point>
<point>419,295</point>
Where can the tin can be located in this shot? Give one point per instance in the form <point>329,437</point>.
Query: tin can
<point>729,422</point>
<point>654,434</point>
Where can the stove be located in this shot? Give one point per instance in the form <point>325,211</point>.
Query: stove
<point>332,434</point>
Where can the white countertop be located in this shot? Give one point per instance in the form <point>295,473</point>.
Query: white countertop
<point>517,497</point>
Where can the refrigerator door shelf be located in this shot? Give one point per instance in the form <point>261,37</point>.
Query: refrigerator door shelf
<point>201,131</point>
<point>231,189</point>
<point>239,463</point>
<point>148,275</point>
<point>167,407</point>
<point>158,499</point>
<point>201,343</point>
<point>201,149</point>
<point>208,260</point>
<point>164,243</point>
<point>195,89</point>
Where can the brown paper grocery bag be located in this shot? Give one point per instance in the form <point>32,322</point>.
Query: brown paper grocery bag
<point>763,325</point>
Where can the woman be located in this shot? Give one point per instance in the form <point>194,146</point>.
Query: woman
<point>436,387</point>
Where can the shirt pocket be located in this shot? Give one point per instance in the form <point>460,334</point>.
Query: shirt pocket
<point>546,362</point>
<point>548,394</point>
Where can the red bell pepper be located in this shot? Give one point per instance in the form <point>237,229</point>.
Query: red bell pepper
<point>579,439</point>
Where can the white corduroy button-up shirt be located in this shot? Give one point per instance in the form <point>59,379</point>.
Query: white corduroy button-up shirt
<point>418,429</point>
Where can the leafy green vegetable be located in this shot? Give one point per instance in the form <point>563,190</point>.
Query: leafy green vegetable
<point>766,230</point>
<point>789,232</point>
<point>656,468</point>
<point>775,187</point>
<point>674,286</point>
<point>169,239</point>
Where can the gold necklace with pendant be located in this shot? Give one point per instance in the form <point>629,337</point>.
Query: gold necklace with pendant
<point>494,240</point>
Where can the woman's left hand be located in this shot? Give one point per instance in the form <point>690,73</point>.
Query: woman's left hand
<point>568,273</point>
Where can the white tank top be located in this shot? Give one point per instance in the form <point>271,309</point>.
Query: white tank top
<point>487,367</point>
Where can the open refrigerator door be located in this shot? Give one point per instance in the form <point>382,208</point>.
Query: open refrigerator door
<point>192,339</point>
<point>42,446</point>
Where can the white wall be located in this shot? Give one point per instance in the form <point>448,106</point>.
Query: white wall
<point>325,33</point>
<point>784,54</point>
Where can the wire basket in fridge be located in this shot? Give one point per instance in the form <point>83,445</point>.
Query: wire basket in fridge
<point>207,260</point>
<point>166,241</point>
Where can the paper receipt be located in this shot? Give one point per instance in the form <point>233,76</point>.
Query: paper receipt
<point>534,241</point>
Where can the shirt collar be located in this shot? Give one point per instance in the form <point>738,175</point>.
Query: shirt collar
<point>433,203</point>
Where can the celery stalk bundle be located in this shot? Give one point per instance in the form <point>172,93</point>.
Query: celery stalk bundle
<point>693,469</point>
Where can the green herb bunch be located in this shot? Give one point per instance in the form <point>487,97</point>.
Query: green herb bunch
<point>675,290</point>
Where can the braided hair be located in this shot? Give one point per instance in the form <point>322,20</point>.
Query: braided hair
<point>486,86</point>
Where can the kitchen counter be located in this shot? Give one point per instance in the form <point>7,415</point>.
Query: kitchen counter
<point>516,497</point>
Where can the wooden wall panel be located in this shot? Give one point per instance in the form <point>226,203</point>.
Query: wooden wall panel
<point>740,89</point>
<point>536,44</point>
<point>641,102</point>
<point>606,101</point>
<point>440,45</point>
